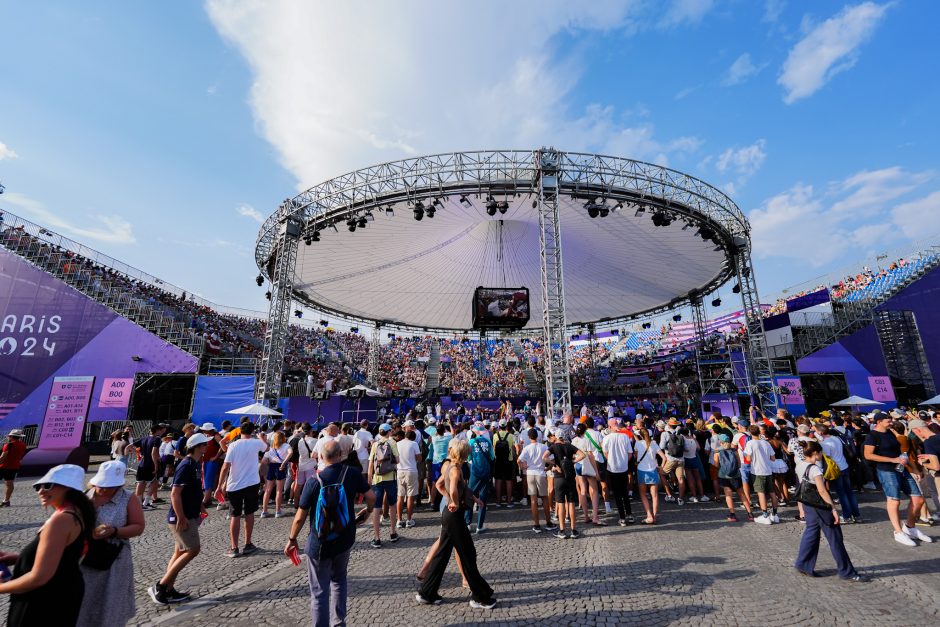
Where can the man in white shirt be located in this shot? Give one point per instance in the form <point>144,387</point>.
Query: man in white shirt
<point>832,446</point>
<point>618,448</point>
<point>761,456</point>
<point>531,462</point>
<point>241,480</point>
<point>306,464</point>
<point>363,444</point>
<point>409,456</point>
<point>329,434</point>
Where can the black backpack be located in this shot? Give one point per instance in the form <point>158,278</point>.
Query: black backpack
<point>675,444</point>
<point>565,462</point>
<point>501,448</point>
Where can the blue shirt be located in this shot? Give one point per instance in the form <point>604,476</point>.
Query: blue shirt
<point>188,478</point>
<point>481,457</point>
<point>355,485</point>
<point>440,444</point>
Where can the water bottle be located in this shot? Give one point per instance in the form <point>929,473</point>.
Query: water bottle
<point>900,467</point>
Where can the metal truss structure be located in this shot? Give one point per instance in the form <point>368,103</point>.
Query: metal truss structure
<point>375,345</point>
<point>763,389</point>
<point>699,320</point>
<point>546,175</point>
<point>283,260</point>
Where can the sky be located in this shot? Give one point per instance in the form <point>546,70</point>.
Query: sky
<point>162,134</point>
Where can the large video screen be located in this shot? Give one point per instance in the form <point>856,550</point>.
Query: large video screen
<point>500,307</point>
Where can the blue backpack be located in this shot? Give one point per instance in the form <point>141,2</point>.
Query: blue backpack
<point>729,466</point>
<point>332,511</point>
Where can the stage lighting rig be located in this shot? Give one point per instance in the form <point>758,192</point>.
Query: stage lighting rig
<point>268,294</point>
<point>593,209</point>
<point>737,288</point>
<point>661,218</point>
<point>308,240</point>
<point>705,233</point>
<point>677,318</point>
<point>419,210</point>
<point>298,313</point>
<point>389,210</point>
<point>351,225</point>
<point>502,206</point>
<point>316,236</point>
<point>362,222</point>
<point>259,280</point>
<point>716,302</point>
<point>465,202</point>
<point>491,206</point>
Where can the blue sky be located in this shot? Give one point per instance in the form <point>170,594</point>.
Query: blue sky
<point>160,133</point>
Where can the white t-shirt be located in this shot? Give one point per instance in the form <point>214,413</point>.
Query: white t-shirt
<point>691,448</point>
<point>618,447</point>
<point>362,445</point>
<point>243,454</point>
<point>648,462</point>
<point>408,452</point>
<point>599,439</point>
<point>832,446</point>
<point>278,455</point>
<point>582,444</point>
<point>305,446</point>
<point>532,456</point>
<point>760,452</point>
<point>318,449</point>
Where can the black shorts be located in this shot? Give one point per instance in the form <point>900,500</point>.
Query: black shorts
<point>565,491</point>
<point>244,501</point>
<point>8,475</point>
<point>504,470</point>
<point>730,482</point>
<point>602,471</point>
<point>145,474</point>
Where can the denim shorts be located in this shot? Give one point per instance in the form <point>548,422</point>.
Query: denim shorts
<point>894,483</point>
<point>695,463</point>
<point>386,489</point>
<point>648,477</point>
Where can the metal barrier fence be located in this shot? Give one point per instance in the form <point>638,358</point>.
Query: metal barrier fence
<point>30,434</point>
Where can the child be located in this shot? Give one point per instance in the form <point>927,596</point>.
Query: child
<point>729,477</point>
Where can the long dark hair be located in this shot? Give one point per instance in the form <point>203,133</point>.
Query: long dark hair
<point>85,508</point>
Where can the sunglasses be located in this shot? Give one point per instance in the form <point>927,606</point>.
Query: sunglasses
<point>44,486</point>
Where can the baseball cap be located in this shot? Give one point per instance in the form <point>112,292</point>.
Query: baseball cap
<point>744,423</point>
<point>880,415</point>
<point>432,420</point>
<point>917,423</point>
<point>385,428</point>
<point>409,423</point>
<point>724,438</point>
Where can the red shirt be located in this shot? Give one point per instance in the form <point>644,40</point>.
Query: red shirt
<point>13,452</point>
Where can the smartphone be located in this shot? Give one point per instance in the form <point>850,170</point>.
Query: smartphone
<point>5,573</point>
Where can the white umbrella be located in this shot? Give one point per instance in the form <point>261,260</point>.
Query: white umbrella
<point>856,401</point>
<point>932,401</point>
<point>255,409</point>
<point>365,391</point>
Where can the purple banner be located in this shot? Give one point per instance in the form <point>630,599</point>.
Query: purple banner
<point>808,300</point>
<point>115,392</point>
<point>881,389</point>
<point>793,395</point>
<point>64,422</point>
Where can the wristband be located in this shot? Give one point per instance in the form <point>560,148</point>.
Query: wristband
<point>292,540</point>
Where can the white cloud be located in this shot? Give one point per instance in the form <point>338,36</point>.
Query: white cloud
<point>919,218</point>
<point>870,190</point>
<point>395,82</point>
<point>6,152</point>
<point>112,229</point>
<point>683,93</point>
<point>772,10</point>
<point>686,12</point>
<point>211,90</point>
<point>743,161</point>
<point>741,70</point>
<point>829,48</point>
<point>249,212</point>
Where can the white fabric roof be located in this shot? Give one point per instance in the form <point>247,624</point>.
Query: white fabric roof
<point>424,273</point>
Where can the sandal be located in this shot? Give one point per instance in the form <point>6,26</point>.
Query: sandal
<point>599,523</point>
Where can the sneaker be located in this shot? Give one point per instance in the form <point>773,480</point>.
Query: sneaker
<point>537,528</point>
<point>669,498</point>
<point>732,518</point>
<point>704,499</point>
<point>870,486</point>
<point>750,517</point>
<point>775,519</point>
<point>221,506</point>
<point>280,514</point>
<point>409,524</point>
<point>924,523</point>
<point>175,596</point>
<point>550,527</point>
<point>622,522</point>
<point>5,504</point>
<point>376,544</point>
<point>916,533</point>
<point>266,515</point>
<point>575,534</point>
<point>680,502</point>
<point>488,605</point>
<point>502,505</point>
<point>233,552</point>
<point>631,519</point>
<point>393,537</point>
<point>384,520</point>
<point>481,530</point>
<point>763,519</point>
<point>858,579</point>
<point>400,524</point>
<point>421,600</point>
<point>693,499</point>
<point>158,594</point>
<point>799,518</point>
<point>561,535</point>
<point>249,548</point>
<point>148,507</point>
<point>509,505</point>
<point>159,500</point>
<point>903,538</point>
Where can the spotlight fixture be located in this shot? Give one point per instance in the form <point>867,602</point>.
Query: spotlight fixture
<point>308,240</point>
<point>640,209</point>
<point>316,236</point>
<point>268,294</point>
<point>351,225</point>
<point>259,280</point>
<point>716,302</point>
<point>298,313</point>
<point>605,211</point>
<point>503,206</point>
<point>491,206</point>
<point>737,288</point>
<point>705,233</point>
<point>465,202</point>
<point>419,210</point>
<point>429,212</point>
<point>535,204</point>
<point>661,218</point>
<point>677,317</point>
<point>354,329</point>
<point>390,210</point>
<point>592,209</point>
<point>324,323</point>
<point>362,222</point>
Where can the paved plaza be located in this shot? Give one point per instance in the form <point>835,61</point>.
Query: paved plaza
<point>694,568</point>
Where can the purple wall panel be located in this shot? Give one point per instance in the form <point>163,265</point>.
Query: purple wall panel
<point>923,298</point>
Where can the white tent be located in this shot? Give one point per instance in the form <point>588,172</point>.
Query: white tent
<point>255,409</point>
<point>365,391</point>
<point>932,401</point>
<point>856,401</point>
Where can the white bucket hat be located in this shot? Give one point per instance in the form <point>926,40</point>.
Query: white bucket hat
<point>207,426</point>
<point>68,475</point>
<point>110,475</point>
<point>16,433</point>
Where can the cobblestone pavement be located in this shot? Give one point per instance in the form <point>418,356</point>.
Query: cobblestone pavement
<point>693,568</point>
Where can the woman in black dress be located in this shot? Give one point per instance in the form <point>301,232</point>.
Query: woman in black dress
<point>47,585</point>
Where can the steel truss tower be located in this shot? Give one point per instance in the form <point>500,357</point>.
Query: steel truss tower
<point>760,372</point>
<point>284,259</point>
<point>699,321</point>
<point>372,372</point>
<point>557,373</point>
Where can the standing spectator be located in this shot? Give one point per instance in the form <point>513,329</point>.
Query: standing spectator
<point>409,458</point>
<point>278,457</point>
<point>109,592</point>
<point>647,470</point>
<point>147,477</point>
<point>726,460</point>
<point>821,516</point>
<point>306,463</point>
<point>363,445</point>
<point>504,454</point>
<point>211,462</point>
<point>587,472</point>
<point>47,581</point>
<point>383,463</point>
<point>883,448</point>
<point>618,449</point>
<point>241,480</point>
<point>481,474</point>
<point>328,547</point>
<point>10,459</point>
<point>929,459</point>
<point>761,455</point>
<point>833,447</point>
<point>563,456</point>
<point>532,463</point>
<point>672,444</point>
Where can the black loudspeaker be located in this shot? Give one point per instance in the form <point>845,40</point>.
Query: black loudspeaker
<point>355,394</point>
<point>401,393</point>
<point>321,395</point>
